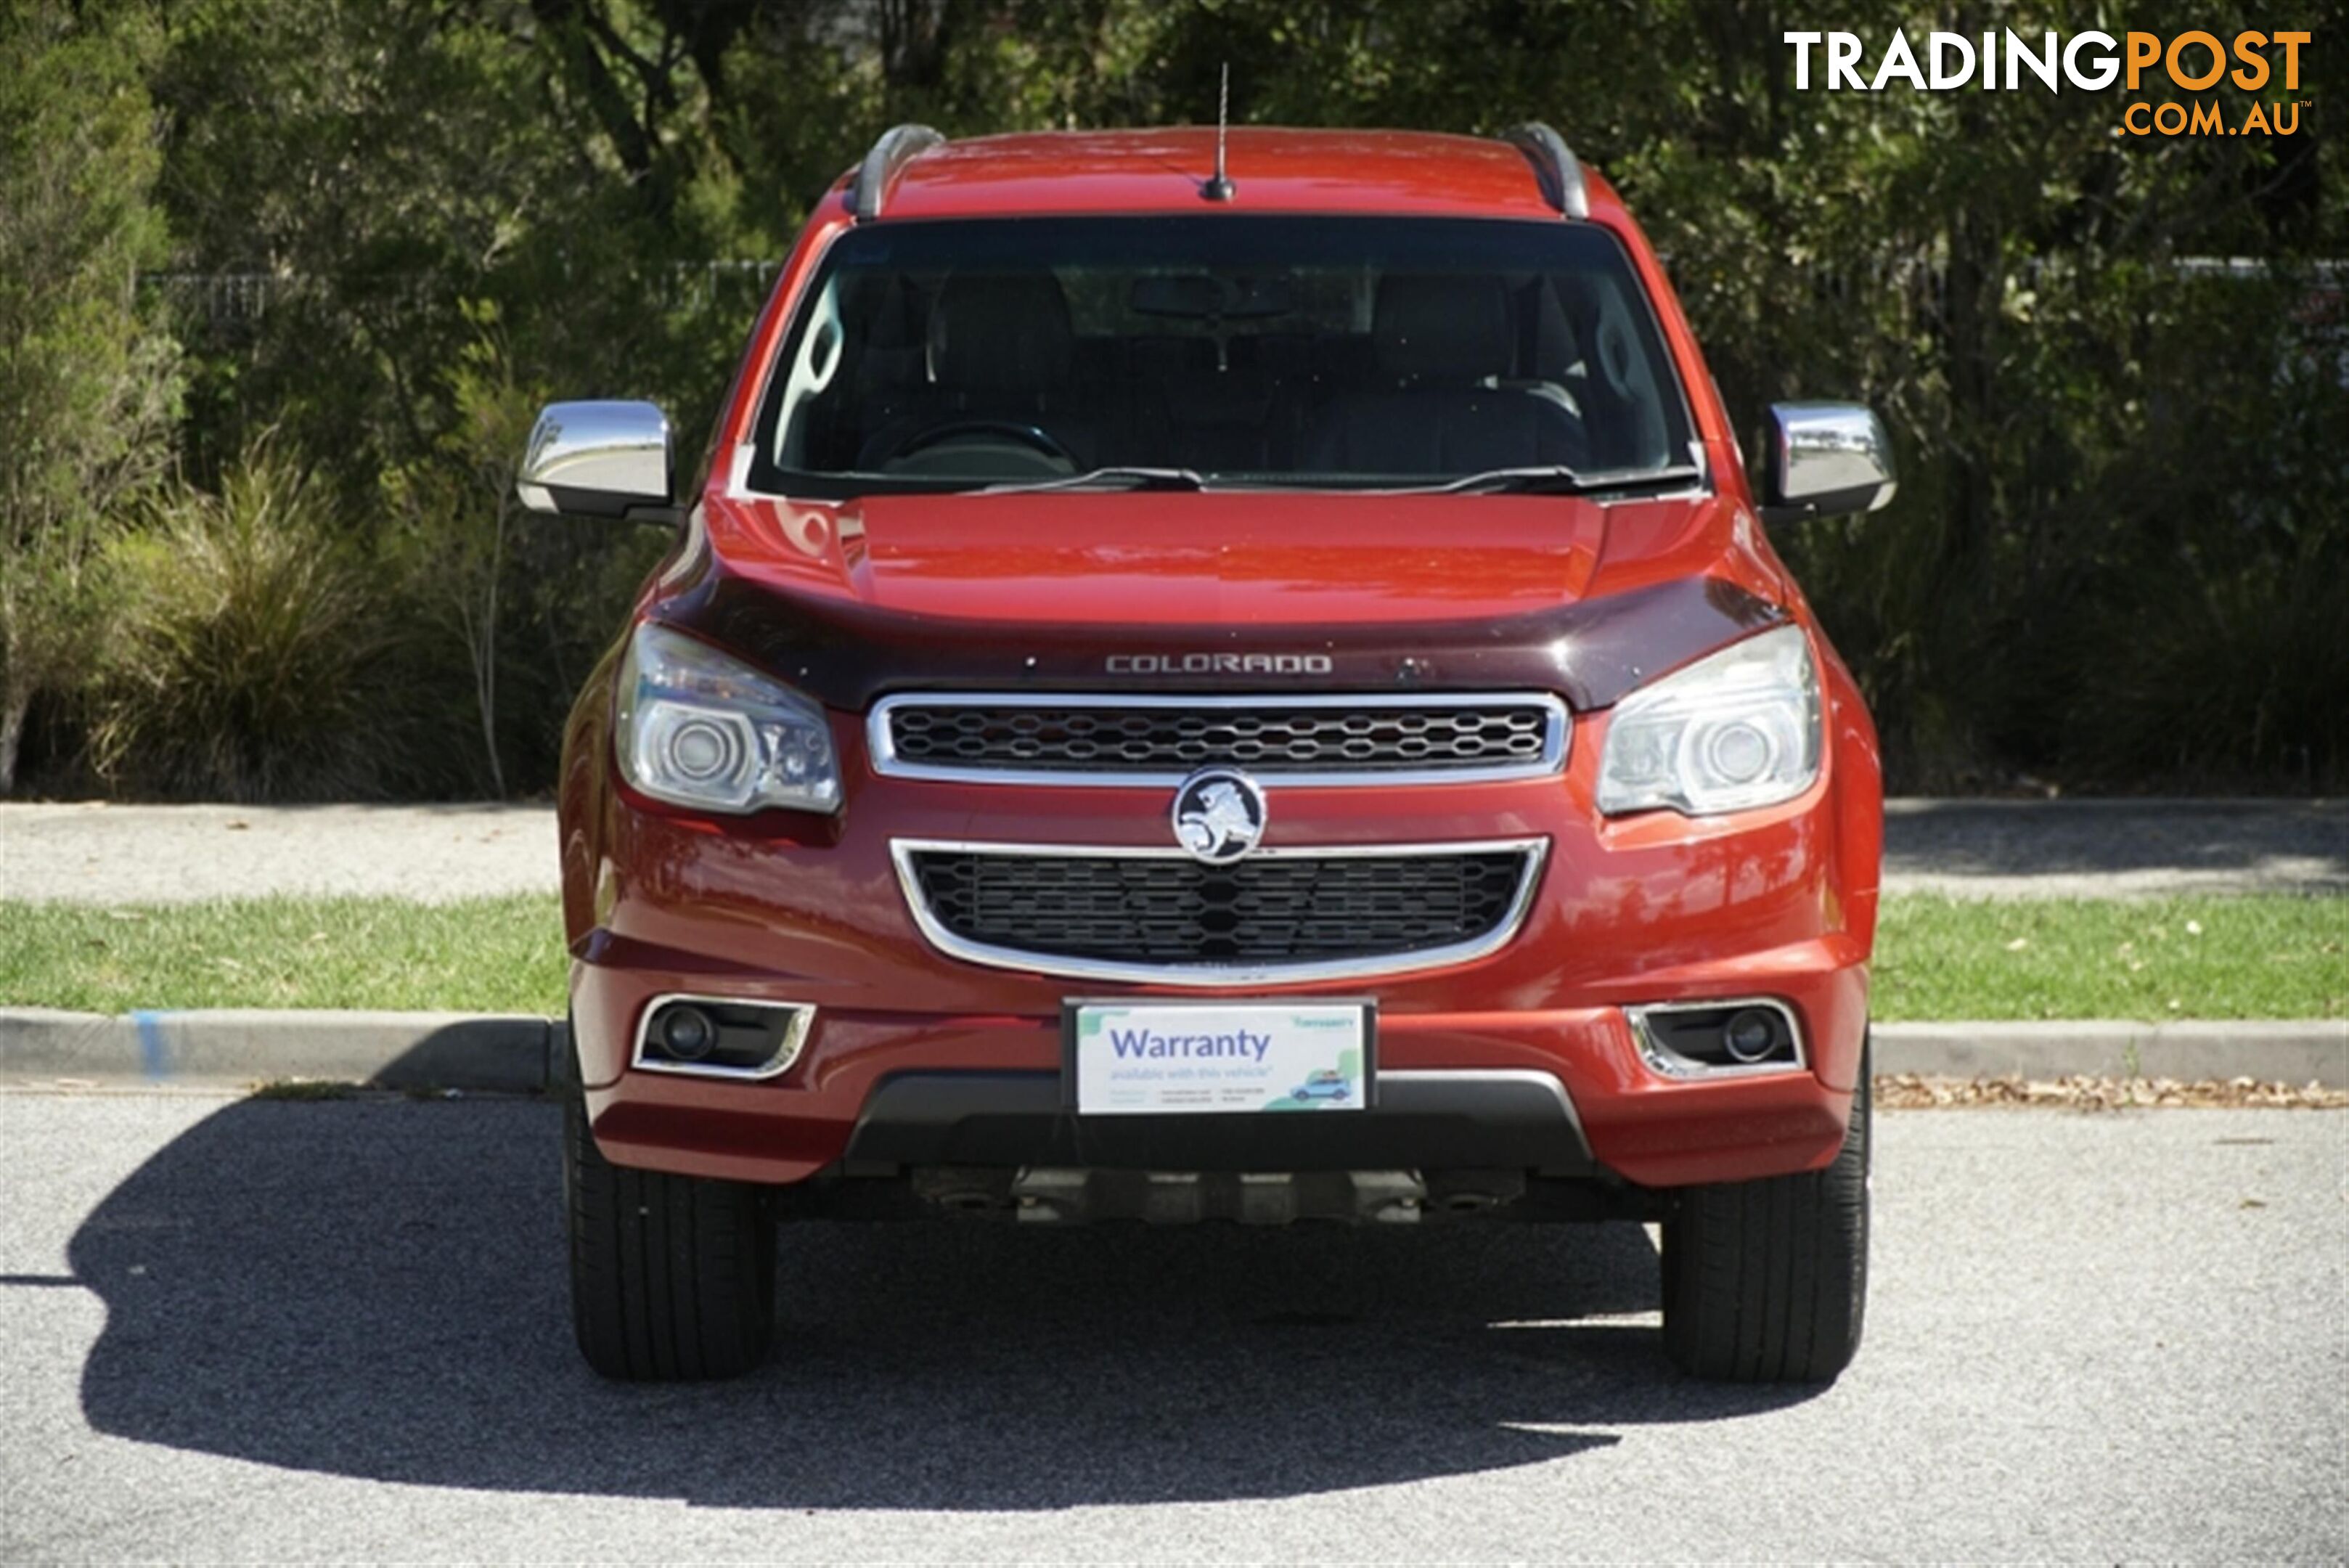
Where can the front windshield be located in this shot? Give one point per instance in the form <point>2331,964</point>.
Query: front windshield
<point>1219,349</point>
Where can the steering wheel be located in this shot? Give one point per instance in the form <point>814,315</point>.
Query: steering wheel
<point>1010,430</point>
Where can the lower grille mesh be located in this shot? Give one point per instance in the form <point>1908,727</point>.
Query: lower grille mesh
<point>1174,911</point>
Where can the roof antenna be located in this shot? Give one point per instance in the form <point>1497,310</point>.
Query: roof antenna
<point>1219,189</point>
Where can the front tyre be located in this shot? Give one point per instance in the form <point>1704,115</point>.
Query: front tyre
<point>1766,1282</point>
<point>672,1277</point>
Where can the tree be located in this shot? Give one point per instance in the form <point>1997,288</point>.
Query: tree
<point>2092,420</point>
<point>461,510</point>
<point>88,380</point>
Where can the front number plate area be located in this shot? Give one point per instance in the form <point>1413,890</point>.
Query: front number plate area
<point>1176,1058</point>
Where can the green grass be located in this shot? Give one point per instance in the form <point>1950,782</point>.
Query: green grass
<point>1935,958</point>
<point>2271,956</point>
<point>481,955</point>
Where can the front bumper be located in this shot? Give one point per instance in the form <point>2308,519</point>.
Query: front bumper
<point>1775,903</point>
<point>917,1089</point>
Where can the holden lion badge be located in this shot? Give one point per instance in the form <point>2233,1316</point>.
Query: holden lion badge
<point>1218,815</point>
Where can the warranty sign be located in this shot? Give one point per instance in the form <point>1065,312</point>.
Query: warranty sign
<point>1178,1058</point>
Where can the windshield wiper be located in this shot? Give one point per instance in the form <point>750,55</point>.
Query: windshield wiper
<point>1552,478</point>
<point>1557,479</point>
<point>1106,479</point>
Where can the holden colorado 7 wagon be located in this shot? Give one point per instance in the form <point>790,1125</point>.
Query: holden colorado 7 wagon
<point>1162,624</point>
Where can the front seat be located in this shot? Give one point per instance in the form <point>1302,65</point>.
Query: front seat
<point>1442,343</point>
<point>1000,350</point>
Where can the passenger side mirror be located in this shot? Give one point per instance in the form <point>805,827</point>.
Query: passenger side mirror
<point>608,458</point>
<point>1825,459</point>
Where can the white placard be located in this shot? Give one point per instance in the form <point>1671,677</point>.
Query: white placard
<point>1156,1060</point>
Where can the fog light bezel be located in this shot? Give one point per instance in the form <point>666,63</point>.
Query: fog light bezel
<point>1666,1062</point>
<point>789,1045</point>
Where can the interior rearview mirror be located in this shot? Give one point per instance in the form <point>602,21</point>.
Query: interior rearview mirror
<point>1825,459</point>
<point>603,459</point>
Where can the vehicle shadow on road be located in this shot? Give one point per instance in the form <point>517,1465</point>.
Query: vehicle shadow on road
<point>375,1288</point>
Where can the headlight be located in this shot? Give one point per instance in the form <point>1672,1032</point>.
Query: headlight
<point>696,728</point>
<point>1736,729</point>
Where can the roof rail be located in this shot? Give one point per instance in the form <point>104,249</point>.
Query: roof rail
<point>1554,165</point>
<point>898,146</point>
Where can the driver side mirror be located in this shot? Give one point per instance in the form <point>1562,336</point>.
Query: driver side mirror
<point>1823,460</point>
<point>607,459</point>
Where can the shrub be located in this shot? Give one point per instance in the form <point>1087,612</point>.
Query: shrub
<point>2222,681</point>
<point>248,661</point>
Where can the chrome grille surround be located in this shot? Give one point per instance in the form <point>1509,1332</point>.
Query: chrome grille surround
<point>1530,853</point>
<point>1158,740</point>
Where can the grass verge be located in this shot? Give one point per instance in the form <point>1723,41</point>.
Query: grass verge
<point>481,955</point>
<point>2264,957</point>
<point>2270,956</point>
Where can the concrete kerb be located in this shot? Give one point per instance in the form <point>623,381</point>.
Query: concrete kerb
<point>2269,1050</point>
<point>508,1052</point>
<point>521,1054</point>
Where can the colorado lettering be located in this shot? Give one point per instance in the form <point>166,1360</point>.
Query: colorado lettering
<point>1218,664</point>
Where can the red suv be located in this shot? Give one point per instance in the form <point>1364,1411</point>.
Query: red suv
<point>1202,686</point>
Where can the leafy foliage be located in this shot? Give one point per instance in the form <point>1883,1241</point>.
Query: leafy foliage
<point>396,224</point>
<point>246,660</point>
<point>88,385</point>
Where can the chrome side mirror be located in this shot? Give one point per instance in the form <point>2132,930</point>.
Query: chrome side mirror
<point>597,459</point>
<point>1825,459</point>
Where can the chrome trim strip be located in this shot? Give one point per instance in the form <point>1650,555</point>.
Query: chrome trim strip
<point>1533,1076</point>
<point>1536,853</point>
<point>881,746</point>
<point>1668,1064</point>
<point>795,1034</point>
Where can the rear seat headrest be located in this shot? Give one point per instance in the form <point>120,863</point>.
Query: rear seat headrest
<point>1443,327</point>
<point>1002,333</point>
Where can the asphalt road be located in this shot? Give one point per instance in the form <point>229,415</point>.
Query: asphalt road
<point>298,1331</point>
<point>97,853</point>
<point>2115,848</point>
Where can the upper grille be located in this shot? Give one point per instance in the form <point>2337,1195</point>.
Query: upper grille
<point>1161,739</point>
<point>1166,917</point>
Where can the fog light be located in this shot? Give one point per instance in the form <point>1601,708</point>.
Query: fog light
<point>720,1037</point>
<point>1707,1039</point>
<point>1752,1035</point>
<point>688,1034</point>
